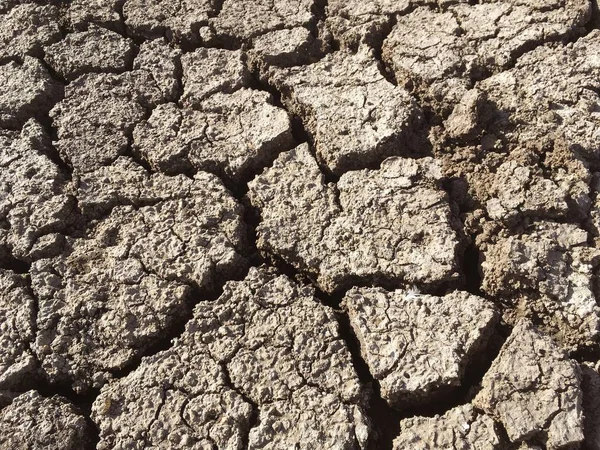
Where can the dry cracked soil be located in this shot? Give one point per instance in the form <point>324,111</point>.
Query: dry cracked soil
<point>299,224</point>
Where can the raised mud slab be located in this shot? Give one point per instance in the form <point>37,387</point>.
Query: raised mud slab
<point>299,224</point>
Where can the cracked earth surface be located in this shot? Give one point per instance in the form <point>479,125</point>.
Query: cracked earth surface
<point>299,224</point>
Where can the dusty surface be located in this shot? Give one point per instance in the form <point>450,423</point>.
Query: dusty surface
<point>548,272</point>
<point>37,91</point>
<point>79,53</point>
<point>35,201</point>
<point>531,388</point>
<point>418,346</point>
<point>104,299</point>
<point>32,421</point>
<point>443,52</point>
<point>17,310</point>
<point>391,225</point>
<point>459,428</point>
<point>261,367</point>
<point>299,224</point>
<point>355,116</point>
<point>231,135</point>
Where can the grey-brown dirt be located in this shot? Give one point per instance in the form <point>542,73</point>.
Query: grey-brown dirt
<point>299,224</point>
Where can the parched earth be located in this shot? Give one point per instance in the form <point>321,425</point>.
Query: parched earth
<point>299,224</point>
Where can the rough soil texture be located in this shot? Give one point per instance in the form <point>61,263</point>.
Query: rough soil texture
<point>32,421</point>
<point>17,362</point>
<point>355,116</point>
<point>308,224</point>
<point>103,299</point>
<point>415,345</point>
<point>532,389</point>
<point>392,225</point>
<point>35,201</point>
<point>263,366</point>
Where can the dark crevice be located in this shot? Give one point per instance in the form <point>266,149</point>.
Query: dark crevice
<point>471,270</point>
<point>34,315</point>
<point>136,157</point>
<point>51,151</point>
<point>239,186</point>
<point>298,130</point>
<point>254,416</point>
<point>505,441</point>
<point>594,24</point>
<point>219,41</point>
<point>251,220</point>
<point>121,13</point>
<point>319,15</point>
<point>81,402</point>
<point>179,82</point>
<point>319,10</point>
<point>385,421</point>
<point>528,47</point>
<point>217,7</point>
<point>9,262</point>
<point>57,77</point>
<point>586,354</point>
<point>377,45</point>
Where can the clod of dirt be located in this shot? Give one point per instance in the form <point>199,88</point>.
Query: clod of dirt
<point>533,388</point>
<point>32,421</point>
<point>541,100</point>
<point>178,20</point>
<point>82,13</point>
<point>441,52</point>
<point>34,202</point>
<point>127,183</point>
<point>163,62</point>
<point>261,367</point>
<point>241,20</point>
<point>17,315</point>
<point>79,53</point>
<point>460,428</point>
<point>26,28</point>
<point>519,190</point>
<point>466,115</point>
<point>389,226</point>
<point>207,71</point>
<point>418,346</point>
<point>95,120</point>
<point>356,118</point>
<point>26,91</point>
<point>546,272</point>
<point>98,114</point>
<point>232,135</point>
<point>536,136</point>
<point>106,298</point>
